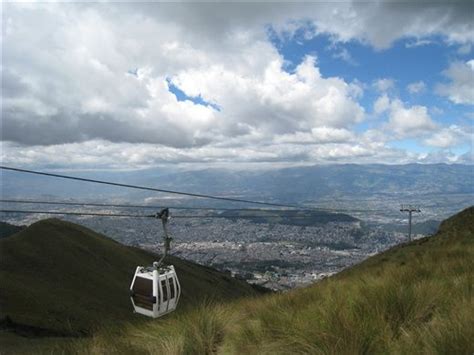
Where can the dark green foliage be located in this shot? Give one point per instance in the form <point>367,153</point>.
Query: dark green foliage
<point>7,229</point>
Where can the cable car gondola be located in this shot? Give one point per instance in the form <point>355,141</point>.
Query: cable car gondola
<point>155,289</point>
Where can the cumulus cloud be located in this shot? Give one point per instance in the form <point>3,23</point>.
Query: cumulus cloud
<point>404,121</point>
<point>272,100</point>
<point>376,23</point>
<point>381,23</point>
<point>465,49</point>
<point>320,135</point>
<point>449,137</point>
<point>418,43</point>
<point>93,83</point>
<point>76,86</point>
<point>460,89</point>
<point>95,79</point>
<point>344,55</point>
<point>383,84</point>
<point>107,155</point>
<point>445,156</point>
<point>409,121</point>
<point>416,87</point>
<point>382,104</point>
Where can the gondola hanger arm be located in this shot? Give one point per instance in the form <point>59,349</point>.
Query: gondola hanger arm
<point>165,216</point>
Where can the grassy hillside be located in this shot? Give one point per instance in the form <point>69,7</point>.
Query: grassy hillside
<point>59,278</point>
<point>414,298</point>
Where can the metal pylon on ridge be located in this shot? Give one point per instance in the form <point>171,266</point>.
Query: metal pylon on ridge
<point>410,209</point>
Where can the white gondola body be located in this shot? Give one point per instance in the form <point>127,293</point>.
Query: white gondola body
<point>155,292</point>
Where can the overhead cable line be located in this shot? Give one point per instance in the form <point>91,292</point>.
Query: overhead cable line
<point>79,213</point>
<point>145,216</point>
<point>230,199</point>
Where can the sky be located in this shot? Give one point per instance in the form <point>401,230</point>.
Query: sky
<point>140,85</point>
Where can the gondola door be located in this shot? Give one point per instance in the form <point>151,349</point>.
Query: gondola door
<point>164,295</point>
<point>168,293</point>
<point>173,284</point>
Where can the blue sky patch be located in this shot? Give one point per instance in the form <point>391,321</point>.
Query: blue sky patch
<point>406,61</point>
<point>181,96</point>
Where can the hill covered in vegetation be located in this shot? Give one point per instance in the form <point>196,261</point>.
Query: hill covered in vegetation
<point>61,279</point>
<point>414,298</point>
<point>7,229</point>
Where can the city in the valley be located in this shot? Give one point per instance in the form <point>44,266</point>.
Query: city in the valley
<point>277,255</point>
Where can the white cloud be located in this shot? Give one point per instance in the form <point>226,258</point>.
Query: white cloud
<point>418,43</point>
<point>460,89</point>
<point>409,121</point>
<point>416,87</point>
<point>465,49</point>
<point>100,154</point>
<point>273,101</point>
<point>381,23</point>
<point>119,109</point>
<point>243,76</point>
<point>383,84</point>
<point>376,23</point>
<point>343,54</point>
<point>436,110</point>
<point>445,156</point>
<point>449,137</point>
<point>403,121</point>
<point>88,84</point>
<point>382,104</point>
<point>319,135</point>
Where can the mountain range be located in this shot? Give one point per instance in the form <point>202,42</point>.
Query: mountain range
<point>307,184</point>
